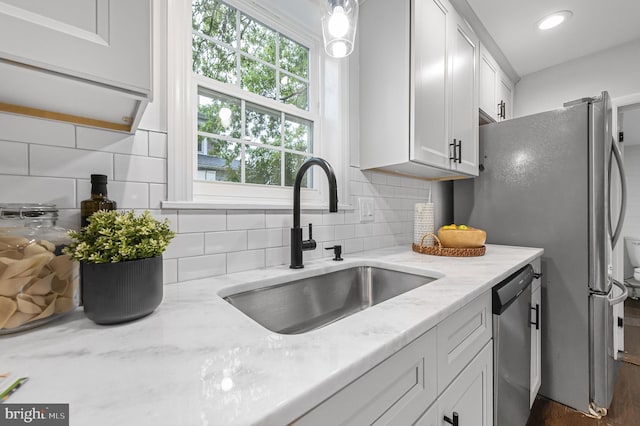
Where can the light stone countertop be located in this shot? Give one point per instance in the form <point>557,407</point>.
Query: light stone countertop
<point>199,361</point>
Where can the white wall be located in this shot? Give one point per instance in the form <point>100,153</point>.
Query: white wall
<point>615,70</point>
<point>631,226</point>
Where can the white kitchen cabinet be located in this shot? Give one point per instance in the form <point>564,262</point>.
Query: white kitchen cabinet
<point>470,396</point>
<point>461,336</point>
<point>536,332</point>
<point>495,89</point>
<point>76,60</point>
<point>418,89</point>
<point>403,388</point>
<point>395,391</point>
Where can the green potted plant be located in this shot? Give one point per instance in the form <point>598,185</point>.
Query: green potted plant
<point>121,258</point>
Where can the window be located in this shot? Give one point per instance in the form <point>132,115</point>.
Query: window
<point>259,98</point>
<point>256,122</point>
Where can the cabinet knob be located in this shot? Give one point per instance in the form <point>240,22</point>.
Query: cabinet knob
<point>453,421</point>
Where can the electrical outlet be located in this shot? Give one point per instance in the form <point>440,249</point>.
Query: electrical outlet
<point>366,209</point>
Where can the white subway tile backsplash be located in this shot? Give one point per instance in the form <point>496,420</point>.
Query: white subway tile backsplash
<point>279,219</point>
<point>170,271</point>
<point>170,215</point>
<point>336,218</point>
<point>261,238</point>
<point>185,245</point>
<point>157,194</point>
<point>226,241</point>
<point>14,158</point>
<point>102,140</point>
<point>275,256</point>
<point>17,128</point>
<point>157,144</point>
<point>68,162</point>
<point>202,220</point>
<point>345,232</point>
<point>354,245</point>
<point>127,195</point>
<point>30,189</point>
<point>379,178</point>
<point>245,219</point>
<point>140,169</point>
<point>245,260</point>
<point>191,268</point>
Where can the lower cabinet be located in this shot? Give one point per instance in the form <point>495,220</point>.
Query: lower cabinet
<point>404,388</point>
<point>470,396</point>
<point>536,333</point>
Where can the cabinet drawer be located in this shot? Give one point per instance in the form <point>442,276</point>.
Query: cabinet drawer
<point>398,388</point>
<point>461,337</point>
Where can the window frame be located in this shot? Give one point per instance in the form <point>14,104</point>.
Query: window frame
<point>184,190</point>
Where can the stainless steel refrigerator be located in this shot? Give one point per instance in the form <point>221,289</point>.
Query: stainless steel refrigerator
<point>545,182</point>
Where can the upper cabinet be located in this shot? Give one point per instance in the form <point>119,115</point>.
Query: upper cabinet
<point>87,62</point>
<point>496,89</point>
<point>418,89</point>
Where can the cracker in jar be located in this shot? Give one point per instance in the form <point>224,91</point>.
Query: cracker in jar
<point>59,286</point>
<point>40,286</point>
<point>71,288</point>
<point>12,242</point>
<point>12,254</point>
<point>47,245</point>
<point>33,249</point>
<point>7,308</point>
<point>26,305</point>
<point>17,319</point>
<point>25,267</point>
<point>64,304</point>
<point>62,266</point>
<point>48,311</point>
<point>11,286</point>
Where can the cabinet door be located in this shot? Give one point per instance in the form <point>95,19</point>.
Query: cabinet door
<point>429,116</point>
<point>536,333</point>
<point>505,94</point>
<point>535,343</point>
<point>464,95</point>
<point>429,417</point>
<point>470,395</point>
<point>97,40</point>
<point>488,82</point>
<point>396,391</point>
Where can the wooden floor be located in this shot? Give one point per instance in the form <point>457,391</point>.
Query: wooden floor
<point>625,406</point>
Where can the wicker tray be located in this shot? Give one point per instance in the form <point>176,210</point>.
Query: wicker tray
<point>438,250</point>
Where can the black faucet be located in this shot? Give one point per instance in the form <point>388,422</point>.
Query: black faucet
<point>297,245</point>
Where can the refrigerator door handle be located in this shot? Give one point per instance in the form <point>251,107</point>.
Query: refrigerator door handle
<point>623,296</point>
<point>615,153</point>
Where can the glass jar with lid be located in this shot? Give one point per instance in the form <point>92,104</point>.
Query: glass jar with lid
<point>38,283</point>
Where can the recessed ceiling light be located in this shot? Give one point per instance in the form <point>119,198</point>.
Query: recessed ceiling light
<point>554,19</point>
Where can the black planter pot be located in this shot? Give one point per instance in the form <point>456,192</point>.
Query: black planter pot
<point>119,292</point>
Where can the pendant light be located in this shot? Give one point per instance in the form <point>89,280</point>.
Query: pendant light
<point>339,22</point>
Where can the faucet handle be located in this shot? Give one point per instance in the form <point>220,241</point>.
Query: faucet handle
<point>337,252</point>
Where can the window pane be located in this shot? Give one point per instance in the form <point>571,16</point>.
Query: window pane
<point>214,19</point>
<point>263,125</point>
<point>258,78</point>
<point>222,163</point>
<point>257,40</point>
<point>294,92</point>
<point>298,134</point>
<point>219,114</point>
<point>213,61</point>
<point>294,57</point>
<point>262,165</point>
<point>292,163</point>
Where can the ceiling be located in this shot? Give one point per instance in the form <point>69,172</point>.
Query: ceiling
<point>596,25</point>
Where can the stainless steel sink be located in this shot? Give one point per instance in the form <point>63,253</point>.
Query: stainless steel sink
<point>306,304</point>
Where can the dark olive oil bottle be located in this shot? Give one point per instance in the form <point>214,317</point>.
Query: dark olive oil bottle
<point>98,200</point>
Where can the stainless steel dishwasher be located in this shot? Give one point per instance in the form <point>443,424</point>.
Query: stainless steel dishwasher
<point>512,348</point>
